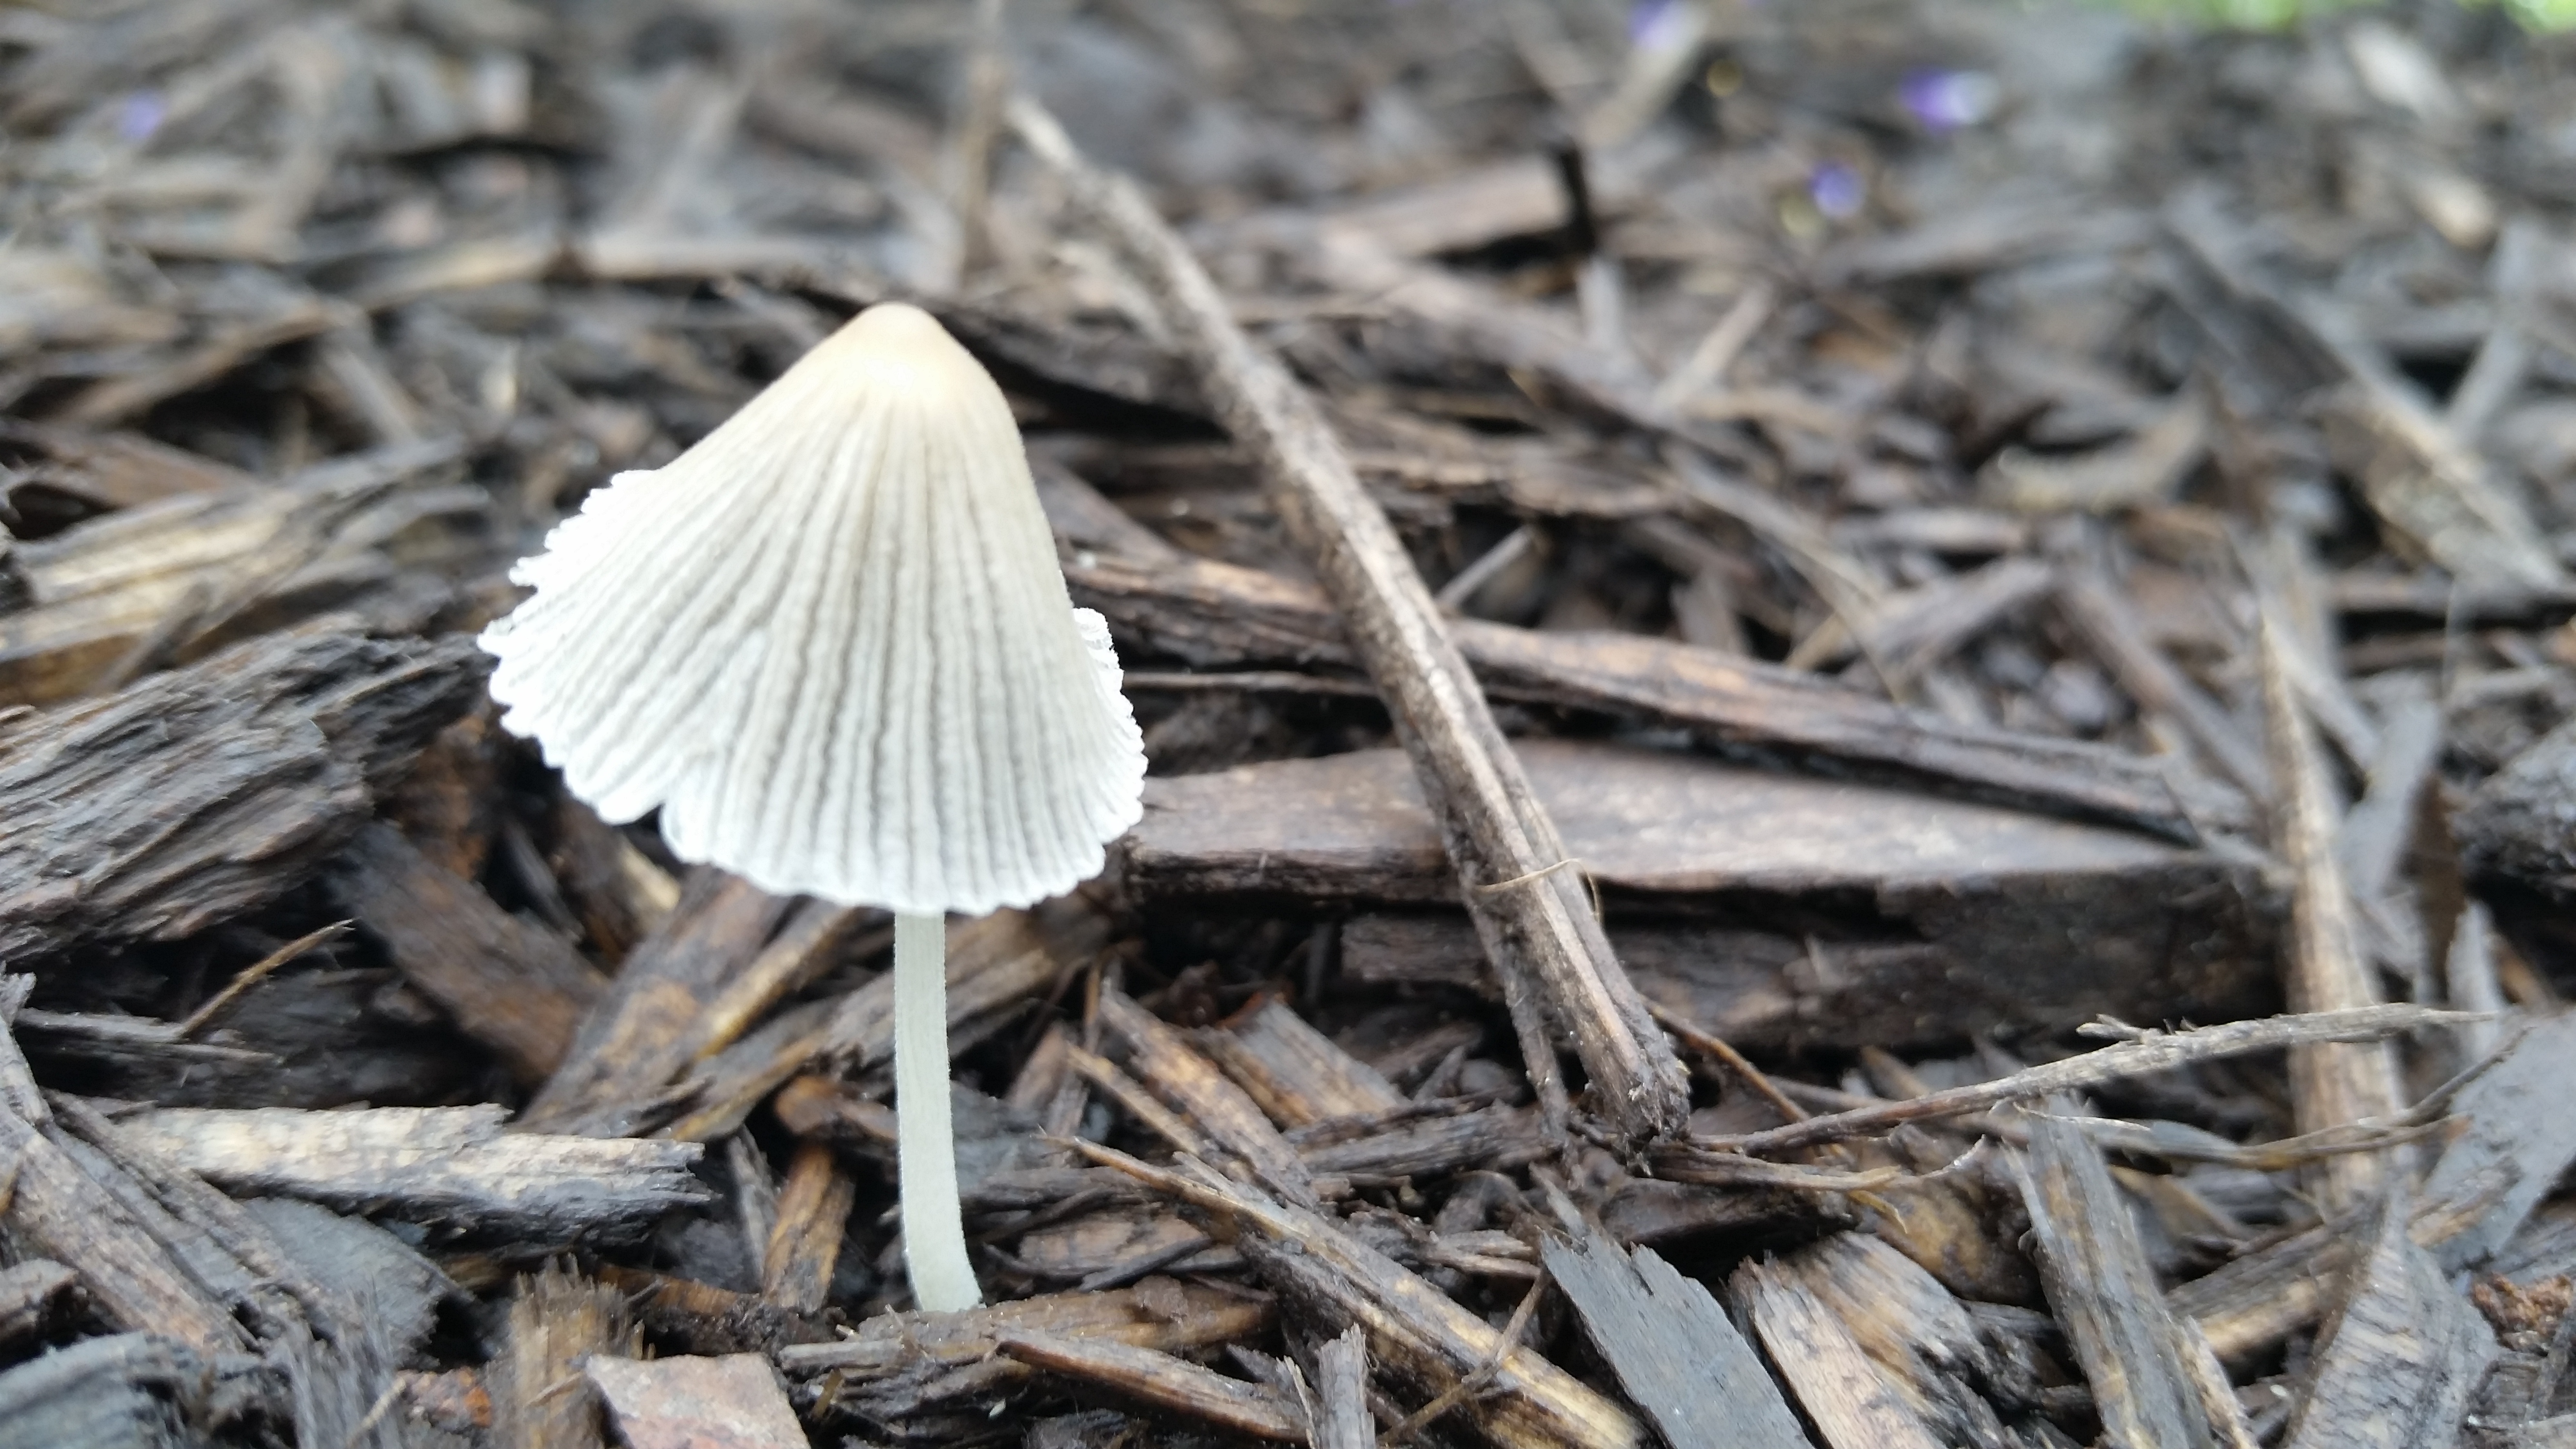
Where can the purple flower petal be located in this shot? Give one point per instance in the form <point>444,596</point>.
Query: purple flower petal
<point>141,114</point>
<point>1837,190</point>
<point>1946,100</point>
<point>1658,24</point>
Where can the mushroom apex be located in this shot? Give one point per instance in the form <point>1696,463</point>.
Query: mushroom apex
<point>832,645</point>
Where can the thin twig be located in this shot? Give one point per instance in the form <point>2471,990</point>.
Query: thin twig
<point>257,973</point>
<point>2330,1085</point>
<point>1246,681</point>
<point>987,80</point>
<point>375,1414</point>
<point>1554,962</point>
<point>1731,1059</point>
<point>1474,1383</point>
<point>2149,1052</point>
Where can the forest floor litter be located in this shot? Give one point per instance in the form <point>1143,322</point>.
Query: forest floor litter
<point>1859,723</point>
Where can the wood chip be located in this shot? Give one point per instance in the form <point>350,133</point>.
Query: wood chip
<point>2101,1288</point>
<point>453,1167</point>
<point>1673,1348</point>
<point>1159,1381</point>
<point>732,1402</point>
<point>2397,1361</point>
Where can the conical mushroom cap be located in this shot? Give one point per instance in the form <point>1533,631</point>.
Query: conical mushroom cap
<point>832,644</point>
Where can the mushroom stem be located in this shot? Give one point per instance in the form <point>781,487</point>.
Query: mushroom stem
<point>934,1231</point>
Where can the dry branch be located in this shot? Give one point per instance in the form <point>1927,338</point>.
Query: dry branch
<point>2153,1051</point>
<point>2338,1083</point>
<point>1413,1329</point>
<point>1534,922</point>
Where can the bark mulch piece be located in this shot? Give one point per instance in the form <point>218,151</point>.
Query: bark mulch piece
<point>1858,719</point>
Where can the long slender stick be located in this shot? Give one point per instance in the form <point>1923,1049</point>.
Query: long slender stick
<point>1556,966</point>
<point>2330,1083</point>
<point>2151,1052</point>
<point>934,1231</point>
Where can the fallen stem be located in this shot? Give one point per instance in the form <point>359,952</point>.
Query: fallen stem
<point>2151,1052</point>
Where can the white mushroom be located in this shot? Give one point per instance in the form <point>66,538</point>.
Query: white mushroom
<point>832,645</point>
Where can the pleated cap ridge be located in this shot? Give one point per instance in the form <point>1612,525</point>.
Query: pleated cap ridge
<point>831,642</point>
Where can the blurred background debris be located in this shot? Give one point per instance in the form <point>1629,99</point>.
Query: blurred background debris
<point>2022,553</point>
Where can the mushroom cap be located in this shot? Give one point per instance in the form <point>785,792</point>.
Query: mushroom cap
<point>832,644</point>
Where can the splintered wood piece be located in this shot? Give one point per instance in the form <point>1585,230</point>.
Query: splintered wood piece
<point>1341,1393</point>
<point>814,937</point>
<point>1119,1246</point>
<point>2228,1424</point>
<point>2425,481</point>
<point>1130,1096</point>
<point>1416,1333</point>
<point>1975,902</point>
<point>213,1234</point>
<point>143,1390</point>
<point>1983,234</point>
<point>2512,832</point>
<point>119,596</point>
<point>991,960</point>
<point>2331,1084</point>
<point>1214,614</point>
<point>1921,1338</point>
<point>1673,1348</point>
<point>1852,1403</point>
<point>1295,1072</point>
<point>53,1207</point>
<point>1536,925</point>
<point>1351,827</point>
<point>558,1322</point>
<point>1082,516</point>
<point>2102,1290</point>
<point>1190,1082</point>
<point>2397,1361</point>
<point>19,1094</point>
<point>1912,633</point>
<point>2111,629</point>
<point>1495,1139</point>
<point>1485,322</point>
<point>995,964</point>
<point>645,1030</point>
<point>1158,1313</point>
<point>2247,1306</point>
<point>805,1241</point>
<point>123,471</point>
<point>190,797</point>
<point>30,1293</point>
<point>1455,212</point>
<point>451,1166</point>
<point>2141,470</point>
<point>452,1401</point>
<point>515,987</point>
<point>1046,1074</point>
<point>58,1210</point>
<point>701,1318</point>
<point>314,1038</point>
<point>733,1402</point>
<point>395,1291</point>
<point>448,803</point>
<point>1161,1382</point>
<point>2517,1139</point>
<point>620,895</point>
